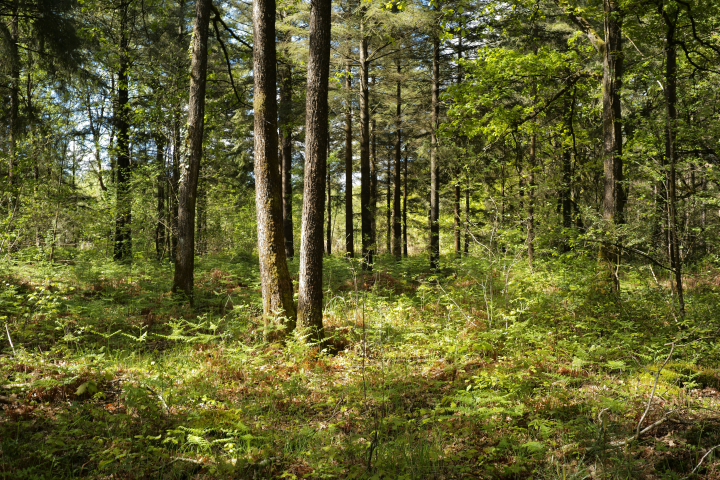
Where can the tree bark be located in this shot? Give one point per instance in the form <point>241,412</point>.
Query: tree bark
<point>566,186</point>
<point>613,67</point>
<point>531,194</point>
<point>397,228</point>
<point>670,150</point>
<point>366,213</point>
<point>123,236</point>
<point>434,169</point>
<point>466,248</point>
<point>160,227</point>
<point>349,240</point>
<point>14,129</point>
<point>388,208</point>
<point>187,196</point>
<point>373,179</point>
<point>328,187</point>
<point>285,110</point>
<point>404,209</point>
<point>277,290</point>
<point>310,305</point>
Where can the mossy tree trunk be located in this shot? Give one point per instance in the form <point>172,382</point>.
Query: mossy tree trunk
<point>187,195</point>
<point>277,290</point>
<point>310,305</point>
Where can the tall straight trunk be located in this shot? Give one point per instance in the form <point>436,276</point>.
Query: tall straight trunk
<point>160,227</point>
<point>566,186</point>
<point>175,186</point>
<point>14,129</point>
<point>187,195</point>
<point>458,221</point>
<point>277,290</point>
<point>373,180</point>
<point>349,240</point>
<point>123,237</point>
<point>466,247</point>
<point>328,187</point>
<point>531,193</point>
<point>388,209</point>
<point>456,214</point>
<point>310,305</point>
<point>397,228</point>
<point>434,169</point>
<point>366,213</point>
<point>404,208</point>
<point>670,150</point>
<point>285,119</point>
<point>613,67</point>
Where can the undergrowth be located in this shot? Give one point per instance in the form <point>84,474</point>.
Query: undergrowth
<point>483,369</point>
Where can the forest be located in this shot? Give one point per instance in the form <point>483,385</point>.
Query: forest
<point>359,239</point>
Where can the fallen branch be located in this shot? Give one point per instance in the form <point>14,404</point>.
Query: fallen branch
<point>701,461</point>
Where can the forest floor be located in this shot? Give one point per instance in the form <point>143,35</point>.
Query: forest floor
<point>485,370</point>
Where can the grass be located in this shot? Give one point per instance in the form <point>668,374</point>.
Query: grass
<point>485,369</point>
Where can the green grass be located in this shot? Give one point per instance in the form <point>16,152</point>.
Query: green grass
<point>485,369</point>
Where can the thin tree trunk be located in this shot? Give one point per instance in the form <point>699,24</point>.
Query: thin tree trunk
<point>614,196</point>
<point>366,213</point>
<point>187,196</point>
<point>14,129</point>
<point>404,209</point>
<point>277,290</point>
<point>123,236</point>
<point>397,227</point>
<point>566,186</point>
<point>349,241</point>
<point>670,151</point>
<point>466,249</point>
<point>328,187</point>
<point>310,305</point>
<point>285,110</point>
<point>531,194</point>
<point>160,227</point>
<point>434,169</point>
<point>373,180</point>
<point>388,208</point>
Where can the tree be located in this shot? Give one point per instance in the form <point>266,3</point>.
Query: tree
<point>310,306</point>
<point>277,290</point>
<point>185,255</point>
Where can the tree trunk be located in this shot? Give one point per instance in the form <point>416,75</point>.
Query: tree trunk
<point>277,290</point>
<point>160,227</point>
<point>404,209</point>
<point>187,196</point>
<point>670,151</point>
<point>366,213</point>
<point>566,186</point>
<point>531,195</point>
<point>388,208</point>
<point>614,196</point>
<point>466,249</point>
<point>310,305</point>
<point>373,179</point>
<point>285,110</point>
<point>434,169</point>
<point>397,228</point>
<point>328,187</point>
<point>123,237</point>
<point>349,241</point>
<point>14,129</point>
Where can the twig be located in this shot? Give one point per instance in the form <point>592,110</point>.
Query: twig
<point>632,438</point>
<point>162,400</point>
<point>10,340</point>
<point>701,461</point>
<point>652,394</point>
